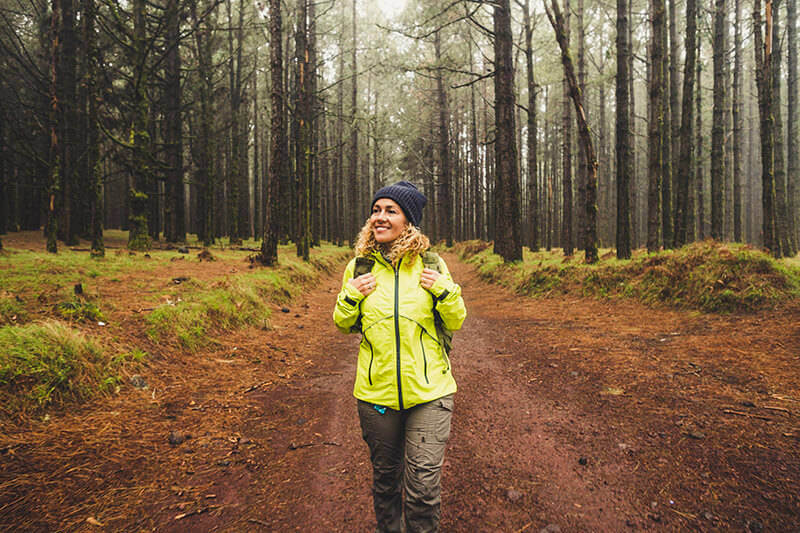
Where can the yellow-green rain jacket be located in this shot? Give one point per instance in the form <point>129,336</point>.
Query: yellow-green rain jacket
<point>401,362</point>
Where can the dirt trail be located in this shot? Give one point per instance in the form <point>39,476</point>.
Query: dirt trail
<point>586,415</point>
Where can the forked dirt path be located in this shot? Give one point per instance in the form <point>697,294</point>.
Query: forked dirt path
<point>571,415</point>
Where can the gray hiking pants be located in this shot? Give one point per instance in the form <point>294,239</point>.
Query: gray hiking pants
<point>407,452</point>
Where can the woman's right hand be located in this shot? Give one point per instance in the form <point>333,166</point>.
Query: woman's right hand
<point>364,283</point>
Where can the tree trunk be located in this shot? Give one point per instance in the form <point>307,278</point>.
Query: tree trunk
<point>683,176</point>
<point>566,153</point>
<point>590,206</point>
<point>475,171</point>
<point>738,146</point>
<point>672,114</point>
<point>241,135</point>
<point>699,181</point>
<point>354,215</point>
<point>718,124</point>
<point>269,243</point>
<point>507,224</point>
<point>340,186</point>
<point>303,147</point>
<point>51,229</point>
<point>443,183</point>
<point>204,175</point>
<point>624,153</point>
<point>175,217</point>
<point>582,162</point>
<point>782,212</point>
<point>532,141</point>
<point>656,125</point>
<point>139,236</point>
<point>792,123</point>
<point>68,117</point>
<point>763,60</point>
<point>258,176</point>
<point>95,176</point>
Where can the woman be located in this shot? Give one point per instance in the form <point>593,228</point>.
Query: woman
<point>403,382</point>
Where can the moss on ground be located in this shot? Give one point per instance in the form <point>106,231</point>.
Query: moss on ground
<point>50,361</point>
<point>708,276</point>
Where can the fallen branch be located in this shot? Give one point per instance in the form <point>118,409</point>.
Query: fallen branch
<point>781,409</point>
<point>785,398</point>
<point>259,522</point>
<point>688,516</point>
<point>523,528</point>
<point>293,446</point>
<point>196,511</point>
<point>739,413</point>
<point>256,386</point>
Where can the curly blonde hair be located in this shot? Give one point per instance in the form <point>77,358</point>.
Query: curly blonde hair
<point>411,242</point>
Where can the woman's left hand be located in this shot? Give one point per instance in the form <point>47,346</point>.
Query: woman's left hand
<point>428,278</point>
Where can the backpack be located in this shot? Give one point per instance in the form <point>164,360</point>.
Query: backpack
<point>431,261</point>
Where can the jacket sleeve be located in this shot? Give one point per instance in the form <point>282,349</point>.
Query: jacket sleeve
<point>449,302</point>
<point>347,307</point>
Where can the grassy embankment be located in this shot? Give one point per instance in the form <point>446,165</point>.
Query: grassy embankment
<point>60,342</point>
<point>706,276</point>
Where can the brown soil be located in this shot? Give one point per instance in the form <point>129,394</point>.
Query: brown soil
<point>587,415</point>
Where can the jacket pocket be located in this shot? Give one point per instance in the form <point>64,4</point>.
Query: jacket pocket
<point>371,357</point>
<point>422,332</point>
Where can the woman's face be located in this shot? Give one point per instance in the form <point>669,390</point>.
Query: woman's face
<point>388,220</point>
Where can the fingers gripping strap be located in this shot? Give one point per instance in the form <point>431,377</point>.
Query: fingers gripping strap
<point>363,265</point>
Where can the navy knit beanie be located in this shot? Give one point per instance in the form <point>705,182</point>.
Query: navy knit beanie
<point>407,196</point>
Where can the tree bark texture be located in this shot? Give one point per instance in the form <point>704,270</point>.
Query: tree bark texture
<point>576,95</point>
<point>532,138</point>
<point>656,125</point>
<point>762,36</point>
<point>787,247</point>
<point>269,243</point>
<point>566,154</point>
<point>141,170</point>
<point>792,123</point>
<point>738,146</point>
<point>175,216</point>
<point>443,183</point>
<point>683,177</point>
<point>624,150</point>
<point>507,221</point>
<point>718,122</point>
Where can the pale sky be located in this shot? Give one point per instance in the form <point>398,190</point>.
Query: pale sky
<point>391,8</point>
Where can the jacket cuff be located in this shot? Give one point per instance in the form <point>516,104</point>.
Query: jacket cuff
<point>442,287</point>
<point>351,295</point>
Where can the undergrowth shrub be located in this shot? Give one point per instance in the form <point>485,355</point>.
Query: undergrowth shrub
<point>12,311</point>
<point>198,313</point>
<point>79,311</point>
<point>708,276</point>
<point>48,362</point>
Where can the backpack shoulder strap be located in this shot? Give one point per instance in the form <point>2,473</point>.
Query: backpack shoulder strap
<point>431,260</point>
<point>363,265</point>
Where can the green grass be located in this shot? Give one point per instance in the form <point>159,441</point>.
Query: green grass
<point>195,313</point>
<point>79,311</point>
<point>705,276</point>
<point>27,271</point>
<point>49,362</point>
<point>44,363</point>
<point>12,310</point>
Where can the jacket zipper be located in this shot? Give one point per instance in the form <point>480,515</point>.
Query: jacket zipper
<point>397,331</point>
<point>424,357</point>
<point>371,357</point>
